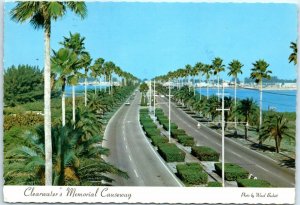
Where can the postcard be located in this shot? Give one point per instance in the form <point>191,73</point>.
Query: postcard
<point>149,102</point>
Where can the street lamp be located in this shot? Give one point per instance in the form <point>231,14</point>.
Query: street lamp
<point>223,138</point>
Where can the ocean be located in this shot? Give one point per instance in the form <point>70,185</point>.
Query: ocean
<point>280,100</point>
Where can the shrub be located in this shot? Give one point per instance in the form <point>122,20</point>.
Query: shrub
<point>186,140</point>
<point>166,126</point>
<point>149,125</point>
<point>176,132</point>
<point>191,173</point>
<point>253,183</point>
<point>232,171</point>
<point>205,153</point>
<point>156,140</point>
<point>152,132</point>
<point>171,153</point>
<point>214,184</point>
<point>27,120</point>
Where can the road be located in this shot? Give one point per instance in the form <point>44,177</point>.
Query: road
<point>130,150</point>
<point>259,165</point>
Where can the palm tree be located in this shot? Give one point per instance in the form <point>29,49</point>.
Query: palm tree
<point>217,65</point>
<point>86,62</point>
<point>234,69</point>
<point>40,14</point>
<point>76,43</point>
<point>187,73</point>
<point>260,72</point>
<point>97,70</point>
<point>293,55</point>
<point>207,72</point>
<point>199,67</point>
<point>62,63</point>
<point>276,126</point>
<point>195,70</point>
<point>246,108</point>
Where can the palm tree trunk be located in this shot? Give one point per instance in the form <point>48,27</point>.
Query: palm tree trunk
<point>277,144</point>
<point>200,85</point>
<point>47,107</point>
<point>85,92</point>
<point>260,109</point>
<point>207,89</point>
<point>194,85</point>
<point>100,86</point>
<point>235,102</point>
<point>73,103</point>
<point>260,105</point>
<point>63,108</point>
<point>246,132</point>
<point>218,86</point>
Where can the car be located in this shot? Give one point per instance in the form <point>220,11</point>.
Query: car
<point>127,103</point>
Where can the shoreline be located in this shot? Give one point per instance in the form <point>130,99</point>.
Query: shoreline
<point>254,88</point>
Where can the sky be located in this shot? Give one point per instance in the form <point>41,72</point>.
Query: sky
<point>151,39</point>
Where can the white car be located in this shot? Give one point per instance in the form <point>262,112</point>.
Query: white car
<point>127,103</point>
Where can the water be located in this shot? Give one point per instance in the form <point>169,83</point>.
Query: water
<point>79,89</point>
<point>281,100</point>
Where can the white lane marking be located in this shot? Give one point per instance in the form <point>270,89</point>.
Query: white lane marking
<point>262,168</point>
<point>209,129</point>
<point>235,154</point>
<point>156,154</point>
<point>136,174</point>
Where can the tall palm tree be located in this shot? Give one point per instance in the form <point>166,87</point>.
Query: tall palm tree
<point>97,70</point>
<point>187,73</point>
<point>218,66</point>
<point>276,126</point>
<point>234,69</point>
<point>199,67</point>
<point>40,14</point>
<point>260,72</point>
<point>86,62</point>
<point>246,108</point>
<point>76,43</point>
<point>293,55</point>
<point>207,72</point>
<point>194,71</point>
<point>61,64</point>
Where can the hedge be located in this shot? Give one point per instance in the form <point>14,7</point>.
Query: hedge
<point>166,126</point>
<point>152,132</point>
<point>176,132</point>
<point>253,183</point>
<point>171,153</point>
<point>149,125</point>
<point>214,184</point>
<point>232,171</point>
<point>186,140</point>
<point>191,173</point>
<point>156,140</point>
<point>205,153</point>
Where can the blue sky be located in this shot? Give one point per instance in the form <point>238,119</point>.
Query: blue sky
<point>150,39</point>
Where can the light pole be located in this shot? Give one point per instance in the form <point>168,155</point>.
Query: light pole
<point>223,137</point>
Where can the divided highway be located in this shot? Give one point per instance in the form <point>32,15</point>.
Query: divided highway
<point>259,165</point>
<point>131,151</point>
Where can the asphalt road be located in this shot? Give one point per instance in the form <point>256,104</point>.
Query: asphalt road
<point>131,151</point>
<point>259,165</point>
